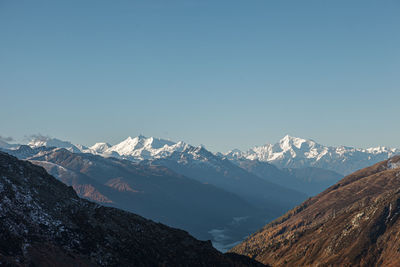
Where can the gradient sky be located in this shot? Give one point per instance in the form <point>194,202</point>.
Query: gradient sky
<point>226,74</point>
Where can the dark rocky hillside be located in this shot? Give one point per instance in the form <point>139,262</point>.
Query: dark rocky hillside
<point>355,222</point>
<point>44,223</point>
<point>154,192</point>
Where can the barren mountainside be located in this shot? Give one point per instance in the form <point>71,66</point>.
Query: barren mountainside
<point>212,196</point>
<point>154,192</point>
<point>353,223</point>
<point>44,223</point>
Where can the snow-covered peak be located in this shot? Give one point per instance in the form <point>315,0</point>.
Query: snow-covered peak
<point>194,155</point>
<point>126,146</point>
<point>141,145</point>
<point>380,149</point>
<point>140,148</point>
<point>288,142</point>
<point>289,152</point>
<point>394,163</point>
<point>232,154</point>
<point>195,150</point>
<point>39,141</point>
<point>295,152</point>
<point>100,147</point>
<point>132,148</point>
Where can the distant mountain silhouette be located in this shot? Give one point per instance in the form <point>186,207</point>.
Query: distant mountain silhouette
<point>202,165</point>
<point>308,180</point>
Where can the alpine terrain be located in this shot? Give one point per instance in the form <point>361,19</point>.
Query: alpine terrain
<point>44,223</point>
<point>154,192</point>
<point>356,222</point>
<point>294,152</point>
<point>174,183</point>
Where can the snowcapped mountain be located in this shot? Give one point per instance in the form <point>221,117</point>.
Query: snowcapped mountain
<point>39,141</point>
<point>194,155</point>
<point>141,147</point>
<point>4,144</point>
<point>100,147</point>
<point>289,152</point>
<point>137,149</point>
<point>294,152</point>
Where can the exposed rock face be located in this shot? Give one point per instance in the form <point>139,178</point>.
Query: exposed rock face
<point>44,223</point>
<point>353,223</point>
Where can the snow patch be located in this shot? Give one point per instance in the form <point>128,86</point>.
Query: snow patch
<point>393,165</point>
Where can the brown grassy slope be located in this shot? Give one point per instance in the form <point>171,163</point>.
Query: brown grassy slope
<point>353,223</point>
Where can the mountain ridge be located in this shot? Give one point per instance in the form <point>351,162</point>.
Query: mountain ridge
<point>155,192</point>
<point>289,152</point>
<point>294,152</point>
<point>355,222</point>
<point>204,166</point>
<point>44,223</point>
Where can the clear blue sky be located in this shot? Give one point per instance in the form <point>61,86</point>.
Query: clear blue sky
<point>221,73</point>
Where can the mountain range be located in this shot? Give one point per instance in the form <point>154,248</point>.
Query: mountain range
<point>202,165</point>
<point>166,181</point>
<point>218,196</point>
<point>289,152</point>
<point>204,198</point>
<point>44,223</point>
<point>293,152</point>
<point>154,192</point>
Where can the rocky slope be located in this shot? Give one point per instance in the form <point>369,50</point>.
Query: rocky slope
<point>356,222</point>
<point>44,223</point>
<point>154,192</point>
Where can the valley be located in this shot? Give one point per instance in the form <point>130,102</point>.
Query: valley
<point>216,197</point>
